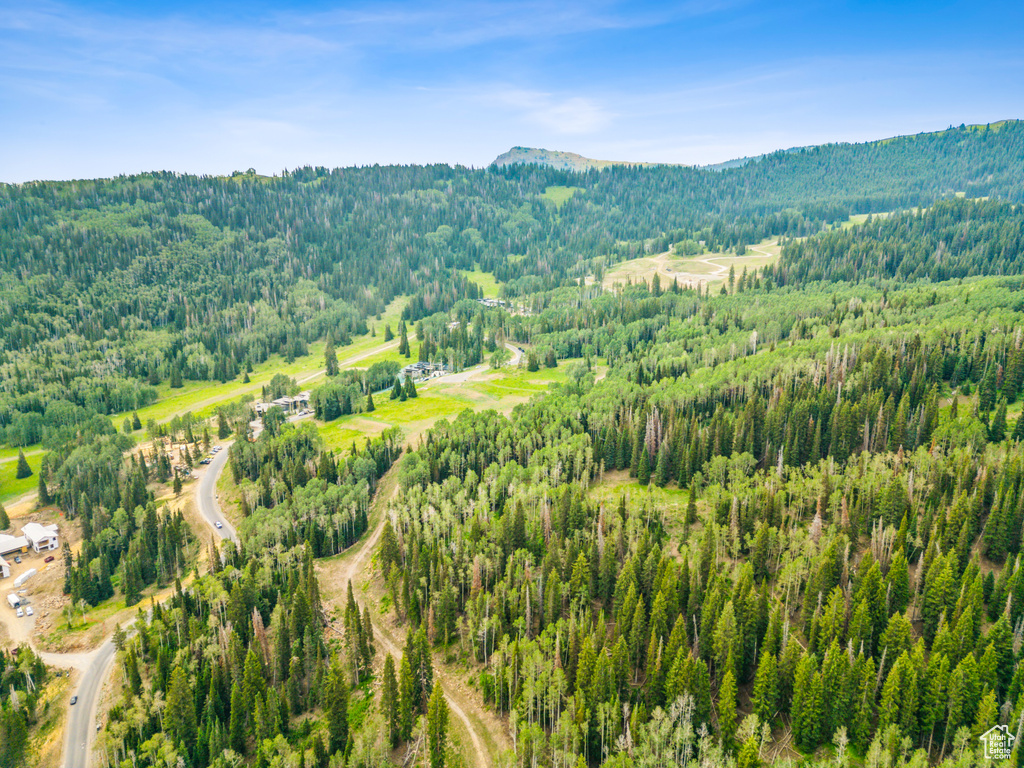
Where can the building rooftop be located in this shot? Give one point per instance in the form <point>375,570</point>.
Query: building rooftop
<point>35,532</point>
<point>11,543</point>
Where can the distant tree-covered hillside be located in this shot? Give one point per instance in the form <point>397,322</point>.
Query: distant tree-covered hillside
<point>954,238</point>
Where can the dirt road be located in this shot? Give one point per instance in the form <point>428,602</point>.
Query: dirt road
<point>477,725</point>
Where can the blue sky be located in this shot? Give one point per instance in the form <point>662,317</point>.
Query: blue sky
<point>101,88</point>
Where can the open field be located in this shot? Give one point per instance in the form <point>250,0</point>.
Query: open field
<point>709,269</point>
<point>560,195</point>
<point>361,344</point>
<point>444,397</point>
<point>388,353</point>
<point>860,218</point>
<point>485,280</point>
<point>11,454</point>
<point>10,486</point>
<point>670,501</point>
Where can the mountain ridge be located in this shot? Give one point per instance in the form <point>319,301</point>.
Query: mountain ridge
<point>564,160</point>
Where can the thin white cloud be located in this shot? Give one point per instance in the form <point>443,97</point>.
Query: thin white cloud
<point>569,115</point>
<point>445,24</point>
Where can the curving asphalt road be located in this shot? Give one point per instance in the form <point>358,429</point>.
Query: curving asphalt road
<point>206,497</point>
<point>81,724</point>
<point>517,353</point>
<point>82,716</point>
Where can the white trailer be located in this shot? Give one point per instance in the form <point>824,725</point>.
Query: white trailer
<point>14,600</point>
<point>24,577</point>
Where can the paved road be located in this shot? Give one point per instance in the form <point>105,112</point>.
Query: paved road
<point>206,496</point>
<point>81,725</point>
<point>517,354</point>
<point>82,716</point>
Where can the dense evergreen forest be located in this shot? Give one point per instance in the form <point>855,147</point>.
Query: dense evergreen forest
<point>777,522</point>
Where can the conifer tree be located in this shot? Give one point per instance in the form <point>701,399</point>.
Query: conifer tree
<point>330,357</point>
<point>997,430</point>
<point>23,470</point>
<point>939,588</point>
<point>236,726</point>
<point>691,506</point>
<point>727,710</point>
<point>987,390</point>
<point>180,712</point>
<point>403,343</point>
<point>1018,428</point>
<point>43,495</point>
<point>437,727</point>
<point>663,471</point>
<point>336,704</point>
<point>807,710</point>
<point>369,401</point>
<point>389,701</point>
<point>766,687</point>
<point>424,668</point>
<point>397,391</point>
<point>643,470</point>
<point>410,387</point>
<point>407,702</point>
<point>5,521</point>
<point>223,429</point>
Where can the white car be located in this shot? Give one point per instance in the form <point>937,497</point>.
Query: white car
<point>217,523</point>
<point>28,610</point>
<point>20,613</point>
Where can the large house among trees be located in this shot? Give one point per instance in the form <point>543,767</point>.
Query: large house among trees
<point>43,538</point>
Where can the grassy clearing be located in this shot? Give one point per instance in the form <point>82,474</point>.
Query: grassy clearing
<point>670,501</point>
<point>387,354</point>
<point>10,487</point>
<point>709,268</point>
<point>860,218</point>
<point>362,344</point>
<point>498,390</point>
<point>485,280</point>
<point>560,195</point>
<point>11,454</point>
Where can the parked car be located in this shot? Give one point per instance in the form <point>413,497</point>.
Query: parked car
<point>205,461</point>
<point>28,610</point>
<point>17,559</point>
<point>48,559</point>
<point>74,700</point>
<point>217,523</point>
<point>20,613</point>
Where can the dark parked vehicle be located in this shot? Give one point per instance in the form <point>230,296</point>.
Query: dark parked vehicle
<point>74,700</point>
<point>48,559</point>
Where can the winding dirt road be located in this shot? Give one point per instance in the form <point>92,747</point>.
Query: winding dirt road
<point>354,567</point>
